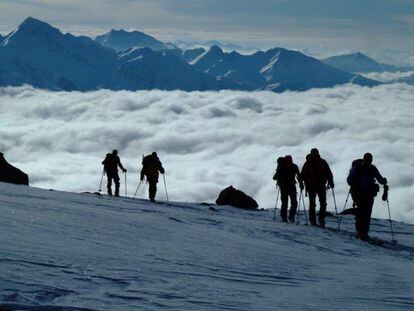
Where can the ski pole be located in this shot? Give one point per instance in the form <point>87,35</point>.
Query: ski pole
<point>140,182</point>
<point>389,214</point>
<point>336,209</point>
<point>340,216</point>
<point>385,196</point>
<point>126,185</point>
<point>277,199</point>
<point>100,184</point>
<point>298,218</point>
<point>304,208</point>
<point>165,186</point>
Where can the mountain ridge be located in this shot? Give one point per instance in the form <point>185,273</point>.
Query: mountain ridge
<point>276,69</point>
<point>359,62</point>
<point>122,40</point>
<point>60,61</point>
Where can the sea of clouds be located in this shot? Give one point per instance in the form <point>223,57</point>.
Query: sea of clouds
<point>210,140</point>
<point>387,76</point>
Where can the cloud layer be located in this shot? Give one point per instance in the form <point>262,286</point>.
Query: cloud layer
<point>387,76</point>
<point>209,140</point>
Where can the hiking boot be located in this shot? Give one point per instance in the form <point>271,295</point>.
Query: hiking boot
<point>362,236</point>
<point>152,200</point>
<point>292,218</point>
<point>284,219</point>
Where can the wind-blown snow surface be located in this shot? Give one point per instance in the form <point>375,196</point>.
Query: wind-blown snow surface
<point>210,140</point>
<point>66,251</point>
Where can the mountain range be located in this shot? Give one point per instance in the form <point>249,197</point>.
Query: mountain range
<point>361,63</point>
<point>277,69</point>
<point>40,55</point>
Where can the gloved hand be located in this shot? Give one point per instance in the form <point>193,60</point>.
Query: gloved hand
<point>331,185</point>
<point>385,194</point>
<point>124,170</point>
<point>162,171</point>
<point>142,177</point>
<point>301,186</point>
<point>386,181</point>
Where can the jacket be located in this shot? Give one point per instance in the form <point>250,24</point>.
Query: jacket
<point>362,179</point>
<point>151,167</point>
<point>316,173</point>
<point>111,163</point>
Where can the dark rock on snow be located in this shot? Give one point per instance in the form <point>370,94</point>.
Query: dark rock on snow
<point>236,198</point>
<point>11,174</point>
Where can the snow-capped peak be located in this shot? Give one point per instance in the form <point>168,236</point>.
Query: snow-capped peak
<point>31,29</point>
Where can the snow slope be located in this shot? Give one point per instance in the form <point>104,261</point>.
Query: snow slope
<point>68,251</point>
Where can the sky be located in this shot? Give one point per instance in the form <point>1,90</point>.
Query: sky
<point>210,140</point>
<point>317,26</point>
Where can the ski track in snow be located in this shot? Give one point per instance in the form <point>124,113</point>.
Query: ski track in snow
<point>68,251</point>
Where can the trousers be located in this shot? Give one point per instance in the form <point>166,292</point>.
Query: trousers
<point>287,193</point>
<point>363,213</point>
<point>321,193</point>
<point>115,177</point>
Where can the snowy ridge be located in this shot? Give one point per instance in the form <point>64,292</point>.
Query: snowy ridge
<point>73,251</point>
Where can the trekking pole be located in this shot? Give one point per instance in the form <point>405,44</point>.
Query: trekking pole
<point>126,185</point>
<point>385,198</point>
<point>298,219</point>
<point>277,199</point>
<point>140,182</point>
<point>304,209</point>
<point>341,214</point>
<point>336,209</point>
<point>165,186</point>
<point>100,185</point>
<point>389,215</point>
